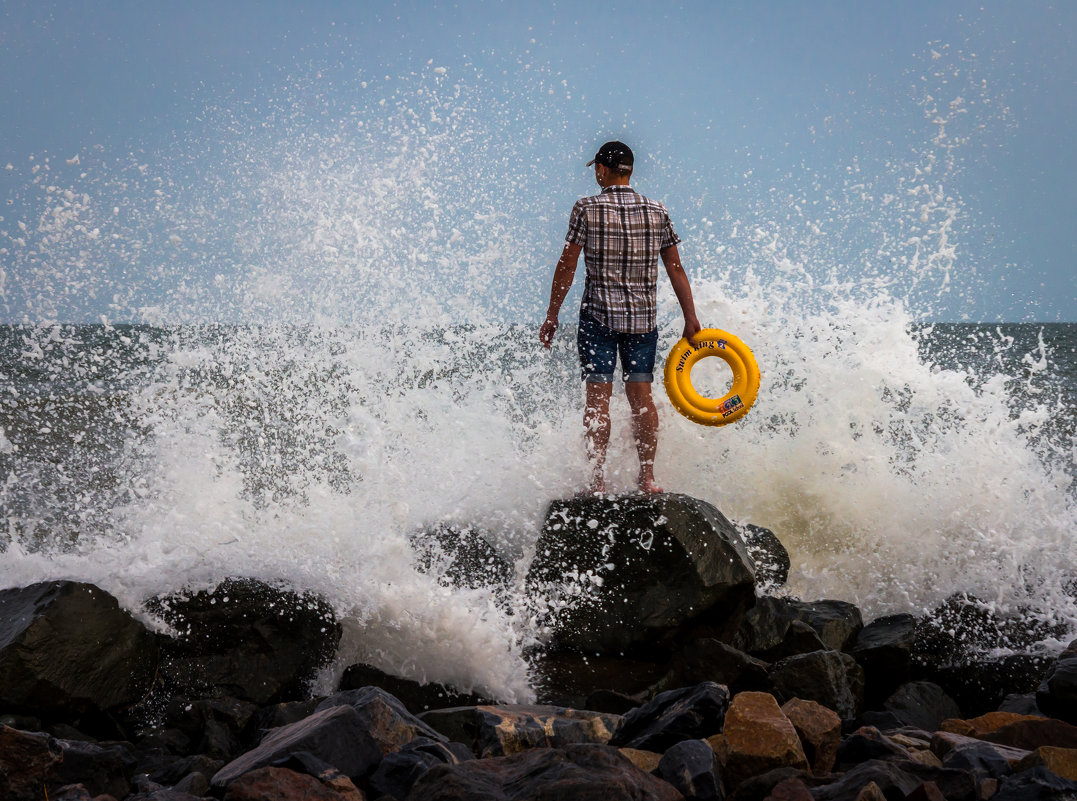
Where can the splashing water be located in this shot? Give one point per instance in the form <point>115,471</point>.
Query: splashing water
<point>342,353</point>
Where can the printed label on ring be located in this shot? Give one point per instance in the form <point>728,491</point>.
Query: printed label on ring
<point>730,406</point>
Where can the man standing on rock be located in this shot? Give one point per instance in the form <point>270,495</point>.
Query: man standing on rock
<point>622,235</point>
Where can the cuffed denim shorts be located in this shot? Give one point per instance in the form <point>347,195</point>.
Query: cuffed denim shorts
<point>598,348</point>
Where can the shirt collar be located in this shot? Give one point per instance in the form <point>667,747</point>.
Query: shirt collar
<point>618,188</point>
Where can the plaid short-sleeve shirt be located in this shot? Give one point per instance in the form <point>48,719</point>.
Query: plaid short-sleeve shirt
<point>621,233</point>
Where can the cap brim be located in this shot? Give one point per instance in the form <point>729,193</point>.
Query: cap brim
<point>592,161</point>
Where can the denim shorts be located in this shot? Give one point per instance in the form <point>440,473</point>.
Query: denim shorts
<point>598,347</point>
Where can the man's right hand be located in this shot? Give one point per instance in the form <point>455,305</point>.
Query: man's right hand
<point>546,332</point>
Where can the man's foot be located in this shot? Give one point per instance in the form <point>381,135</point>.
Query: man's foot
<point>648,487</point>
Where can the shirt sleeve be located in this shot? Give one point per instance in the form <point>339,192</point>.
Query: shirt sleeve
<point>669,236</point>
<point>577,226</point>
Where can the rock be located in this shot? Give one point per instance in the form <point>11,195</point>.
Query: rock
<point>799,638</point>
<point>460,557</point>
<point>281,784</point>
<point>71,792</point>
<point>942,743</point>
<point>245,639</point>
<point>399,770</point>
<point>837,622</point>
<point>922,704</point>
<point>980,759</point>
<point>1019,731</point>
<point>647,761</point>
<point>67,648</point>
<point>979,686</point>
<point>566,678</point>
<point>765,625</point>
<point>688,713</point>
<point>708,659</point>
<point>891,781</point>
<point>764,785</point>
<point>1021,703</point>
<point>1037,784</point>
<point>830,678</point>
<point>416,697</point>
<point>819,730</point>
<point>757,738</point>
<point>100,768</point>
<point>984,724</point>
<point>352,740</point>
<point>276,715</point>
<point>511,728</point>
<point>214,726</point>
<point>177,770</point>
<point>1056,695</point>
<point>611,702</point>
<point>641,567</point>
<point>884,650</point>
<point>25,761</point>
<point>573,773</point>
<point>692,768</point>
<point>1060,761</point>
<point>790,790</point>
<point>768,555</point>
<point>866,744</point>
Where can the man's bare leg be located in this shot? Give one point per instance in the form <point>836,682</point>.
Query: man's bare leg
<point>596,426</point>
<point>645,430</point>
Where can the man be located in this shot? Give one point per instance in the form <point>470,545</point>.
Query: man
<point>622,235</point>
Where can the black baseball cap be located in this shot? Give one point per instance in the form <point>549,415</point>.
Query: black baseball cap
<point>615,155</point>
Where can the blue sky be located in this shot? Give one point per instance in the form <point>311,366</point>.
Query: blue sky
<point>729,105</point>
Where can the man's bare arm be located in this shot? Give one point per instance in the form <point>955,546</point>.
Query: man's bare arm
<point>562,282</point>
<point>671,258</point>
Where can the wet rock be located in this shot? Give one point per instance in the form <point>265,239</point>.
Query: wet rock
<point>245,639</point>
<point>866,744</point>
<point>692,768</point>
<point>829,678</point>
<point>799,638</point>
<point>790,790</point>
<point>764,626</point>
<point>399,770</point>
<point>1019,731</point>
<point>942,743</point>
<point>980,686</point>
<point>978,758</point>
<point>819,730</point>
<point>611,702</point>
<point>214,726</point>
<point>836,622</point>
<point>25,761</point>
<point>573,773</point>
<point>891,782</point>
<point>71,792</point>
<point>416,697</point>
<point>641,567</point>
<point>510,728</point>
<point>1037,784</point>
<point>460,557</point>
<point>177,770</point>
<point>566,678</point>
<point>1056,695</point>
<point>764,785</point>
<point>708,659</point>
<point>768,555</point>
<point>647,761</point>
<point>1021,703</point>
<point>688,713</point>
<point>276,715</point>
<point>757,738</point>
<point>922,704</point>
<point>884,650</point>
<point>106,768</point>
<point>281,784</point>
<point>67,648</point>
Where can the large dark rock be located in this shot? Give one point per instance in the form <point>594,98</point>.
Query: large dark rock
<point>691,766</point>
<point>922,704</point>
<point>500,730</point>
<point>245,639</point>
<point>460,557</point>
<point>573,773</point>
<point>68,648</point>
<point>884,649</point>
<point>106,768</point>
<point>214,726</point>
<point>1036,784</point>
<point>708,659</point>
<point>979,686</point>
<point>399,770</point>
<point>567,678</point>
<point>689,713</point>
<point>415,696</point>
<point>1056,695</point>
<point>639,568</point>
<point>768,555</point>
<point>832,679</point>
<point>898,780</point>
<point>25,760</point>
<point>836,622</point>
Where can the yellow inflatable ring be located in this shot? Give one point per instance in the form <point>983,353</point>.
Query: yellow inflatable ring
<point>712,411</point>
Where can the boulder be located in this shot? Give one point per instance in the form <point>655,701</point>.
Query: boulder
<point>637,569</point>
<point>790,790</point>
<point>1061,761</point>
<point>708,659</point>
<point>688,713</point>
<point>836,622</point>
<point>980,759</point>
<point>105,768</point>
<point>980,685</point>
<point>581,772</point>
<point>282,784</point>
<point>757,738</point>
<point>399,770</point>
<point>1036,784</point>
<point>511,728</point>
<point>25,762</point>
<point>889,779</point>
<point>868,743</point>
<point>768,555</point>
<point>830,678</point>
<point>1018,731</point>
<point>798,638</point>
<point>460,557</point>
<point>245,639</point>
<point>942,743</point>
<point>764,626</point>
<point>67,648</point>
<point>819,730</point>
<point>921,704</point>
<point>884,650</point>
<point>1056,695</point>
<point>692,768</point>
<point>415,696</point>
<point>214,726</point>
<point>567,678</point>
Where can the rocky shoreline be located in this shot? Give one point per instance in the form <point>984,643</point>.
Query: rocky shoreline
<point>666,676</point>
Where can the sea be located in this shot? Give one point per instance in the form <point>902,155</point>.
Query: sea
<point>291,340</point>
